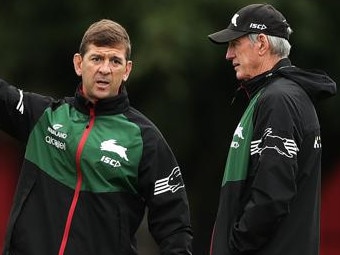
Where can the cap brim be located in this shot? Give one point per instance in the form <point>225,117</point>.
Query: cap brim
<point>225,36</point>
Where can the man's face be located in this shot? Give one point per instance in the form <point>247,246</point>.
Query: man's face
<point>103,69</point>
<point>245,58</point>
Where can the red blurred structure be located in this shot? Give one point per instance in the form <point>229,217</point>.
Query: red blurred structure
<point>330,211</point>
<point>9,169</point>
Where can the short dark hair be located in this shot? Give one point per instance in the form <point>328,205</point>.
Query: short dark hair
<point>105,32</point>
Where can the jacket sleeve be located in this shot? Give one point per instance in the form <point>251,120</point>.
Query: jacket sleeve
<point>19,110</point>
<point>163,188</point>
<point>272,172</point>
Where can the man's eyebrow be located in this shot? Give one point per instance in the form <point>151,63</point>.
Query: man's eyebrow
<point>106,55</point>
<point>96,55</point>
<point>116,57</point>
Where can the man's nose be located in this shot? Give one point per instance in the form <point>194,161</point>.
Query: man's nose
<point>230,54</point>
<point>105,67</point>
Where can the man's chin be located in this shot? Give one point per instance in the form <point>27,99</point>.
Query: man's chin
<point>103,94</point>
<point>242,77</point>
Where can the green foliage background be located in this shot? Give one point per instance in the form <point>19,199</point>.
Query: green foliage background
<point>180,79</point>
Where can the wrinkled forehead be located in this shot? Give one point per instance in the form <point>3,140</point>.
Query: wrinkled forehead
<point>118,49</point>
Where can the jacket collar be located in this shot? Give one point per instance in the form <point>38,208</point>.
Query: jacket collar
<point>108,106</point>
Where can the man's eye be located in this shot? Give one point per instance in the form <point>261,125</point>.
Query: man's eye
<point>116,61</point>
<point>232,44</point>
<point>95,59</point>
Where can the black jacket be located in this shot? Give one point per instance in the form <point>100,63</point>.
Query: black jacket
<point>270,195</point>
<point>88,174</point>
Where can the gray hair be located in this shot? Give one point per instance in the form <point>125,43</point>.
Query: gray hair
<point>279,46</point>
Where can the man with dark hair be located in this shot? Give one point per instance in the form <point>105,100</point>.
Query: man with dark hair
<point>92,163</point>
<point>270,195</point>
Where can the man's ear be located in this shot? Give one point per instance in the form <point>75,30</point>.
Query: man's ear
<point>77,63</point>
<point>263,44</point>
<point>127,70</point>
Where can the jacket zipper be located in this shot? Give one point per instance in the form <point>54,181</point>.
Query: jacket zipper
<point>78,183</point>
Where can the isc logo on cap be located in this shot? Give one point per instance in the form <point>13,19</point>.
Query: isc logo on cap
<point>258,26</point>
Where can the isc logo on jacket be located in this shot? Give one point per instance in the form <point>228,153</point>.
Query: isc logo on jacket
<point>112,146</point>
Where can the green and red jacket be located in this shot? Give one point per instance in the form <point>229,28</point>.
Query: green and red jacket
<point>89,172</point>
<point>270,195</point>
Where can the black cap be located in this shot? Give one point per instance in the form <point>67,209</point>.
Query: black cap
<point>254,18</point>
